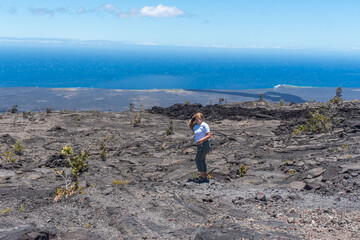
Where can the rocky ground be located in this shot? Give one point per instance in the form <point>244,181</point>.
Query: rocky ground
<point>266,183</point>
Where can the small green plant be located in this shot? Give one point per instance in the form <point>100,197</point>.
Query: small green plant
<point>187,102</point>
<point>291,171</point>
<point>77,164</point>
<point>5,211</point>
<point>21,208</point>
<point>345,146</point>
<point>196,176</point>
<point>28,115</point>
<point>18,148</point>
<point>137,120</point>
<point>48,110</point>
<point>170,129</point>
<point>339,92</point>
<point>9,157</point>
<point>141,110</point>
<point>281,103</point>
<point>209,176</point>
<point>110,137</point>
<point>14,109</point>
<point>221,100</point>
<point>79,118</point>
<point>163,147</point>
<point>348,157</point>
<point>131,107</point>
<point>242,171</point>
<point>314,100</point>
<point>102,152</point>
<point>121,182</point>
<point>261,97</point>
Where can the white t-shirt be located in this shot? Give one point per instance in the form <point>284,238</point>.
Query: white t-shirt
<point>201,130</point>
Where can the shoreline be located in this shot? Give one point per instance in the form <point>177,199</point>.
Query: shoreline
<point>118,100</point>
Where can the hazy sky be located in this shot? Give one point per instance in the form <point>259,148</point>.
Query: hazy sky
<point>228,23</point>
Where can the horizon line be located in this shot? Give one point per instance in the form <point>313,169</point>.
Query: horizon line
<point>108,43</point>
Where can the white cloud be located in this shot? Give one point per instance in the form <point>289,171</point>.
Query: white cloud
<point>161,11</point>
<point>147,44</point>
<point>81,10</point>
<point>46,11</point>
<point>110,8</point>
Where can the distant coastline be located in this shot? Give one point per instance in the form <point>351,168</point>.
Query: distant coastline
<point>117,100</point>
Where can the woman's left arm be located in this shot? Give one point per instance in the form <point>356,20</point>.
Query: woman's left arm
<point>208,136</point>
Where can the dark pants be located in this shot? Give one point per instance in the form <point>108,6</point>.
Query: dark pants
<point>202,150</point>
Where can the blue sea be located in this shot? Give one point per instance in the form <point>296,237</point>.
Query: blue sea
<point>155,67</point>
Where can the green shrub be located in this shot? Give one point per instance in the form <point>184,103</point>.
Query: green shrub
<point>137,120</point>
<point>323,119</point>
<point>9,157</point>
<point>102,152</point>
<point>13,109</point>
<point>131,107</point>
<point>77,164</point>
<point>242,171</point>
<point>281,103</point>
<point>261,97</point>
<point>170,129</point>
<point>18,148</point>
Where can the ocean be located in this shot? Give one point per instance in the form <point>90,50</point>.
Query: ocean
<point>155,67</point>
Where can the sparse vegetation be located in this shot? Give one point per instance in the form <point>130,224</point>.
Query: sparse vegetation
<point>141,110</point>
<point>102,152</point>
<point>261,97</point>
<point>48,110</point>
<point>281,103</point>
<point>9,157</point>
<point>137,120</point>
<point>30,115</point>
<point>5,211</point>
<point>322,119</point>
<point>221,100</point>
<point>121,182</point>
<point>131,107</point>
<point>242,171</point>
<point>21,208</point>
<point>339,92</point>
<point>14,109</point>
<point>18,148</point>
<point>170,129</point>
<point>187,102</point>
<point>77,164</point>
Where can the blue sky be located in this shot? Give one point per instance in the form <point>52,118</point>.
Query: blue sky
<point>229,23</point>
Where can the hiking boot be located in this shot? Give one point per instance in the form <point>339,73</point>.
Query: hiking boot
<point>192,180</point>
<point>202,180</point>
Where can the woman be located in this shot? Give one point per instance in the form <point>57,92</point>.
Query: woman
<point>202,140</point>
